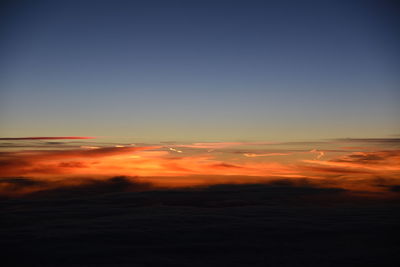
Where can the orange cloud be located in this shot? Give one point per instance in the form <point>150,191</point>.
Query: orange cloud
<point>320,153</point>
<point>253,155</point>
<point>372,161</point>
<point>164,166</point>
<point>219,145</point>
<point>56,161</point>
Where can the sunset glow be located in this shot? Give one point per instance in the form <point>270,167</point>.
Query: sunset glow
<point>374,168</point>
<point>199,133</point>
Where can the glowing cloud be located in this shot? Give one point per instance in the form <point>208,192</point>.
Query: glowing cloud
<point>175,150</point>
<point>170,167</point>
<point>320,153</point>
<point>253,155</point>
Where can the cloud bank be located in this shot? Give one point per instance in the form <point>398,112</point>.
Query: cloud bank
<point>199,164</point>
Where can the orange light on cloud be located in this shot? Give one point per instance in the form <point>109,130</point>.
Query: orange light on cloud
<point>169,166</point>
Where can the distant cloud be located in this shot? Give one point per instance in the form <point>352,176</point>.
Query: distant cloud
<point>369,140</point>
<point>253,155</point>
<point>64,161</point>
<point>219,145</point>
<point>167,166</point>
<point>175,150</point>
<point>224,165</point>
<point>320,153</point>
<point>47,138</point>
<point>89,186</point>
<point>376,157</point>
<point>358,170</point>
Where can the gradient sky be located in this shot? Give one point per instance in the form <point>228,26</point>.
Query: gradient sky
<point>200,70</point>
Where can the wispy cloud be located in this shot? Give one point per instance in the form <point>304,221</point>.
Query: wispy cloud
<point>320,153</point>
<point>219,145</point>
<point>375,161</point>
<point>47,138</point>
<point>368,140</point>
<point>254,155</point>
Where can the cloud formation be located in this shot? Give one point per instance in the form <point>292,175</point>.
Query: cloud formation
<point>169,166</point>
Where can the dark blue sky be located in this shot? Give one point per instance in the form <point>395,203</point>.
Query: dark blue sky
<point>200,70</point>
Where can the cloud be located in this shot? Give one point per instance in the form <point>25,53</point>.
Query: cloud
<point>13,187</point>
<point>334,169</point>
<point>320,153</point>
<point>368,140</point>
<point>373,161</point>
<point>357,170</point>
<point>253,155</point>
<point>394,188</point>
<point>224,165</point>
<point>367,158</point>
<point>163,166</point>
<point>72,164</point>
<point>47,138</point>
<point>67,161</point>
<point>76,153</point>
<point>219,145</point>
<point>175,150</point>
<point>85,186</point>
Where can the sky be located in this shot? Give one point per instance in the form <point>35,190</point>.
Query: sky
<point>193,93</point>
<point>196,71</point>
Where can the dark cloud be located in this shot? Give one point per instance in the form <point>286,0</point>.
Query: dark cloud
<point>11,187</point>
<point>94,187</point>
<point>225,165</point>
<point>20,182</point>
<point>395,188</point>
<point>55,143</point>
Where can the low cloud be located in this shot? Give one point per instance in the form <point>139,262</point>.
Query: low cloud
<point>17,187</point>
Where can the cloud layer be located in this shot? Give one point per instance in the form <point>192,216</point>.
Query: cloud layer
<point>198,164</point>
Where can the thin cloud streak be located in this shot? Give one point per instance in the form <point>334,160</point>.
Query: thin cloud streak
<point>254,155</point>
<point>368,140</point>
<point>47,138</point>
<point>220,145</point>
